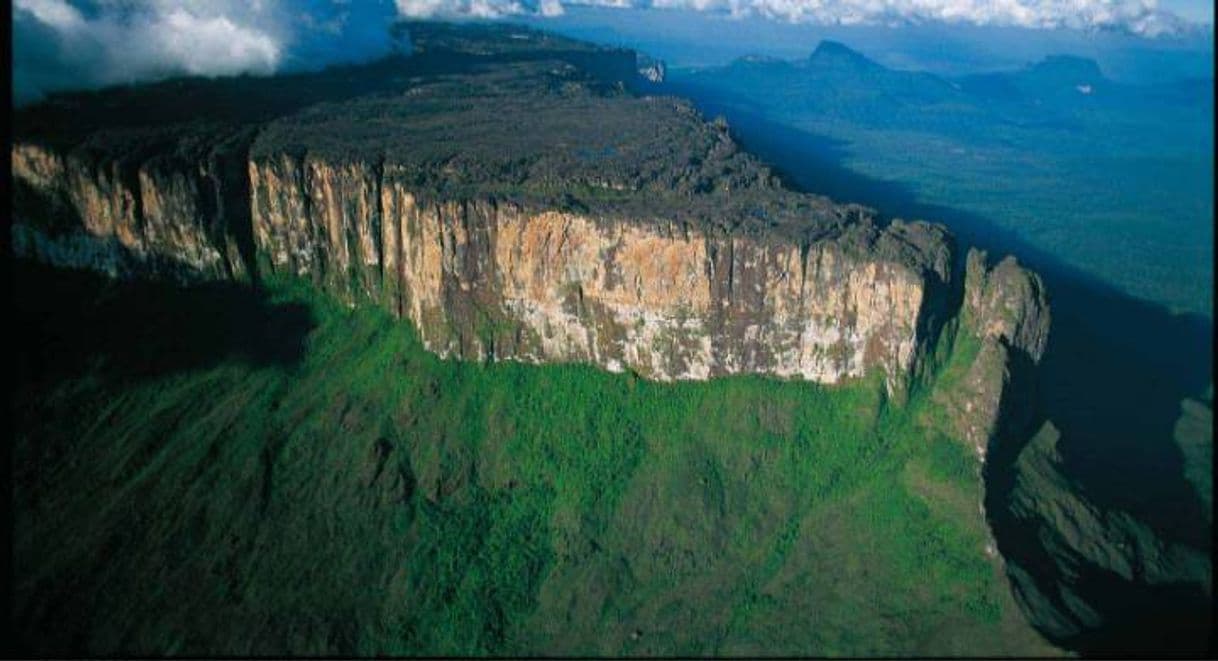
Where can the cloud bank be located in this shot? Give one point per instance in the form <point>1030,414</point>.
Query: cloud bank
<point>73,44</point>
<point>62,44</point>
<point>1142,17</point>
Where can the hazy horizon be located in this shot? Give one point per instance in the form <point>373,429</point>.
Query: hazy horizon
<point>81,44</point>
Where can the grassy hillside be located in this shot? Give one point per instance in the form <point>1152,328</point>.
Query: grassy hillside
<point>207,471</point>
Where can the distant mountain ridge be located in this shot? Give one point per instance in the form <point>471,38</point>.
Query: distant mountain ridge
<point>832,56</point>
<point>837,81</point>
<point>835,52</point>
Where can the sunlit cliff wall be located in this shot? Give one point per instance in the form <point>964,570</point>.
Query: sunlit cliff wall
<point>485,279</point>
<point>481,278</point>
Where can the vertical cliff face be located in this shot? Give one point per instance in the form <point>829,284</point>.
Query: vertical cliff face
<point>1007,304</point>
<point>158,217</point>
<point>481,278</point>
<point>1005,310</point>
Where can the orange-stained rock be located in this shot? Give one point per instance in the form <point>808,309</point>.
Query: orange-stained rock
<point>480,278</point>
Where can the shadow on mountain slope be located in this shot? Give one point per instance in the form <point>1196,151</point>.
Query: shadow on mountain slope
<point>1112,381</point>
<point>57,340</point>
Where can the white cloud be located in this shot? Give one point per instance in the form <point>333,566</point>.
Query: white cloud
<point>55,13</point>
<point>1142,17</point>
<point>70,44</point>
<point>208,45</point>
<point>550,8</point>
<point>472,8</point>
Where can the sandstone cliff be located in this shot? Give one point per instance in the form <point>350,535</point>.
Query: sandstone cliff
<point>484,207</point>
<point>157,217</point>
<point>1006,312</point>
<point>486,278</point>
<point>482,278</point>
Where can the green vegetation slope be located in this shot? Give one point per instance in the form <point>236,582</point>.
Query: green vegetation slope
<point>206,471</point>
